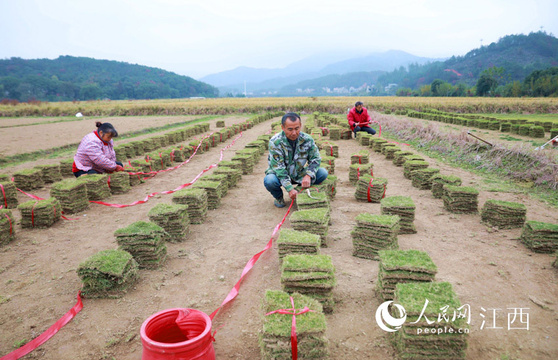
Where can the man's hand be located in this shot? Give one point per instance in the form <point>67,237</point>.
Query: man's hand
<point>292,194</point>
<point>306,181</point>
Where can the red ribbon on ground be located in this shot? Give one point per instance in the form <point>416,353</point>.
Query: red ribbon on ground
<point>41,339</point>
<point>234,291</point>
<point>4,195</point>
<point>294,312</point>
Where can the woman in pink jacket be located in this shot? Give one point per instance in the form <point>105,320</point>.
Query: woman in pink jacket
<point>95,154</point>
<point>359,119</point>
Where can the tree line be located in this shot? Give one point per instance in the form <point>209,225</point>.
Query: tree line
<point>70,78</point>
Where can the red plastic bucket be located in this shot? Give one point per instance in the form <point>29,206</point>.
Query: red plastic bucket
<point>163,339</point>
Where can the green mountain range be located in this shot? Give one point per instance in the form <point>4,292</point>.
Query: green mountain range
<point>70,78</point>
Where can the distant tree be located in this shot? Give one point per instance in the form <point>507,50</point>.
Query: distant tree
<point>434,87</point>
<point>486,85</point>
<point>425,90</point>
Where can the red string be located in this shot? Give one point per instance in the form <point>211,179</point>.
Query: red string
<point>294,312</point>
<point>50,332</point>
<point>369,187</point>
<point>234,291</point>
<point>33,215</point>
<point>10,221</point>
<point>331,150</point>
<point>4,195</point>
<point>108,181</point>
<point>358,173</point>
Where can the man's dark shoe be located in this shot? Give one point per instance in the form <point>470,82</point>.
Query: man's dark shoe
<point>279,203</point>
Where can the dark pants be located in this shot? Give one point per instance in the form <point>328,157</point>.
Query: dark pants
<point>368,129</point>
<point>91,172</point>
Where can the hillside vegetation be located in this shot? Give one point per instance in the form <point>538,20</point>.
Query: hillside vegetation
<point>69,78</point>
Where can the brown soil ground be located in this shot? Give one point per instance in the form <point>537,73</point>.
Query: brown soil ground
<point>488,269</point>
<point>24,139</point>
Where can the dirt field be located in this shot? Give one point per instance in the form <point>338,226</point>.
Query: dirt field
<point>24,139</point>
<point>488,269</point>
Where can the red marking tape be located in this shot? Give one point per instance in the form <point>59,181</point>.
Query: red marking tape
<point>41,339</point>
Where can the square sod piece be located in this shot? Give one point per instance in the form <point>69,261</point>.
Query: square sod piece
<point>109,273</point>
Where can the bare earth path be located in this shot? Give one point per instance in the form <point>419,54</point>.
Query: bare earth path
<point>487,268</point>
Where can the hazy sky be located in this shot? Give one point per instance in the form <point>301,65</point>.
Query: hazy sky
<point>197,38</point>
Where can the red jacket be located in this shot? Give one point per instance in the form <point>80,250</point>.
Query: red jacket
<point>356,118</point>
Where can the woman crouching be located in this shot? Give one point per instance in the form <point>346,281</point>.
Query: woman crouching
<point>95,154</point>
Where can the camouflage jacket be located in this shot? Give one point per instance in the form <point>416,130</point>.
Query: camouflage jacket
<point>289,167</point>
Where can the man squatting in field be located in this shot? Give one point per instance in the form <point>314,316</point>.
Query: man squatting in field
<point>95,153</point>
<point>293,159</point>
<point>359,119</point>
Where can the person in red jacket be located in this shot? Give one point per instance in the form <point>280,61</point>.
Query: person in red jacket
<point>359,119</point>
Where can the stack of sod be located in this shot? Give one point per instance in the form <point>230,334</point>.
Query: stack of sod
<point>176,154</point>
<point>329,148</point>
<point>399,157</point>
<point>438,182</point>
<point>540,237</point>
<point>130,150</point>
<point>536,132</point>
<point>4,177</point>
<point>369,189</point>
<point>145,241</point>
<point>120,152</point>
<point>505,127</point>
<point>7,226</point>
<point>329,186</point>
<point>328,162</point>
<point>160,141</point>
<point>314,221</point>
<point>357,170</point>
<point>265,139</point>
<point>335,133</point>
<point>411,158</point>
<point>312,199</point>
<point>214,192</point>
<point>257,144</point>
<point>119,182</point>
<point>402,266</point>
<point>220,123</point>
<point>373,233</point>
<point>173,219</point>
<point>504,214</point>
<point>40,214</point>
<point>50,173</point>
<point>254,152</point>
<point>422,178</point>
<point>385,146</point>
<point>237,165</point>
<point>359,135</point>
<point>402,206</point>
<point>233,175</point>
<point>345,134</point>
<point>311,275</point>
<point>214,139</point>
<point>28,179</point>
<point>138,147</point>
<point>247,163</point>
<point>194,145</point>
<point>460,199</point>
<point>411,165</point>
<point>196,199</point>
<point>140,166</point>
<point>97,186</point>
<point>389,151</point>
<point>365,139</point>
<point>292,242</point>
<point>161,158</point>
<point>275,339</point>
<point>361,157</point>
<point>108,274</point>
<point>72,194</point>
<point>8,194</point>
<point>439,339</point>
<point>222,178</point>
<point>376,144</point>
<point>66,167</point>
